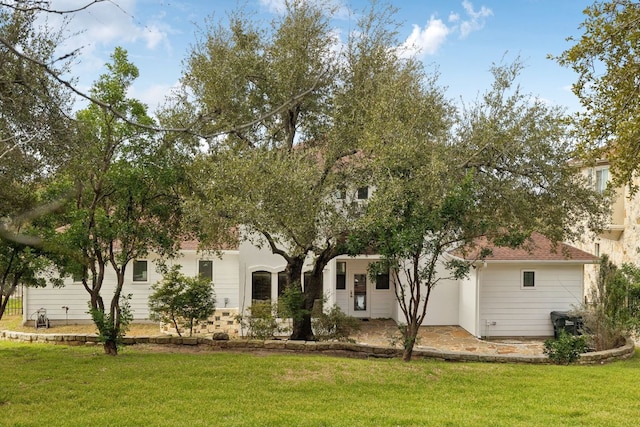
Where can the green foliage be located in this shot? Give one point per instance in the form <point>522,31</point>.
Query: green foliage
<point>334,325</point>
<point>606,60</point>
<point>278,177</point>
<point>566,349</point>
<point>500,172</point>
<point>260,321</point>
<point>291,303</point>
<point>126,186</point>
<point>112,326</point>
<point>35,131</point>
<point>613,309</point>
<point>181,301</point>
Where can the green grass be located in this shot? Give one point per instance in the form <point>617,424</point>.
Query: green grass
<point>79,386</point>
<point>14,303</point>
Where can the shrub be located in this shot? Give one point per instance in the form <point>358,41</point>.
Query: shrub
<point>613,307</point>
<point>334,325</point>
<point>566,349</point>
<point>113,329</point>
<point>261,321</point>
<point>182,301</point>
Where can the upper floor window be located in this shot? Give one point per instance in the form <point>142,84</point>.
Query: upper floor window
<point>363,193</point>
<point>205,269</point>
<point>602,176</point>
<point>140,271</point>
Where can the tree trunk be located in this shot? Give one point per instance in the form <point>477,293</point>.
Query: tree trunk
<point>5,295</point>
<point>302,329</point>
<point>409,341</point>
<point>110,347</point>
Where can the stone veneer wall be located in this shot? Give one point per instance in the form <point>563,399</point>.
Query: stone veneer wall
<point>329,348</point>
<point>223,320</point>
<point>624,249</point>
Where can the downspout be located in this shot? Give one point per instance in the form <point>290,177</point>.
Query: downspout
<point>481,267</point>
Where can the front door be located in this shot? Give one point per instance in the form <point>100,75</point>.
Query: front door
<point>359,296</point>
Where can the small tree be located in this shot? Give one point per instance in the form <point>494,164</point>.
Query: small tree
<point>181,300</point>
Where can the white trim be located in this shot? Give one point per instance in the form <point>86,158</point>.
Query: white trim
<point>212,267</point>
<point>146,280</point>
<point>522,285</point>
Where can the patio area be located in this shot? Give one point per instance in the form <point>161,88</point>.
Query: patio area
<point>450,338</point>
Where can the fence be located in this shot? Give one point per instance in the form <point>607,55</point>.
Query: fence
<point>14,306</point>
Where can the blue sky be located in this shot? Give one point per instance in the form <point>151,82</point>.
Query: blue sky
<point>462,38</point>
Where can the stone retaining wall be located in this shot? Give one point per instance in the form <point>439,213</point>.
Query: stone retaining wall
<point>222,320</point>
<point>329,348</point>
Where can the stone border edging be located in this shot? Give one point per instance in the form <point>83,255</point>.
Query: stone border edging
<point>322,347</point>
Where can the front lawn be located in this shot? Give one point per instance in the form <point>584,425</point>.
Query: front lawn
<point>79,386</point>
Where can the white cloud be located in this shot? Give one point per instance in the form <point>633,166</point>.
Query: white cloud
<point>106,24</point>
<point>476,19</point>
<point>153,96</point>
<point>278,7</point>
<point>427,40</point>
<point>274,6</point>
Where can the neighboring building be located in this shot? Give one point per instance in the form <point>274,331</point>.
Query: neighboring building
<point>510,294</point>
<point>620,238</point>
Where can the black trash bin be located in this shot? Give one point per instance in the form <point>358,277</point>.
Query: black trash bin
<point>562,320</point>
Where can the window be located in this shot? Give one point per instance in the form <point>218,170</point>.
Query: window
<point>363,193</point>
<point>260,286</point>
<point>341,194</point>
<point>382,281</point>
<point>602,176</point>
<point>528,279</point>
<point>139,271</point>
<point>596,249</point>
<point>341,275</point>
<point>205,269</point>
<point>282,282</point>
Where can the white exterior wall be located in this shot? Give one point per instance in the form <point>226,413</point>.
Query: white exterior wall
<point>380,303</point>
<point>468,304</point>
<point>526,312</point>
<point>74,296</point>
<point>443,305</point>
<point>251,258</point>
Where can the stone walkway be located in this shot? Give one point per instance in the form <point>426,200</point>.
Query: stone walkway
<point>449,338</point>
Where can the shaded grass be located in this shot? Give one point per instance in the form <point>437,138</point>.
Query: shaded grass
<point>14,323</point>
<point>79,386</point>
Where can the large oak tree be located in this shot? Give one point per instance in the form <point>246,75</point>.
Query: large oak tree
<point>278,178</point>
<point>606,60</point>
<point>503,171</point>
<point>34,142</point>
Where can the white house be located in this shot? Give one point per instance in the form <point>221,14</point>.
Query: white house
<point>511,293</point>
<point>70,303</point>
